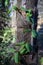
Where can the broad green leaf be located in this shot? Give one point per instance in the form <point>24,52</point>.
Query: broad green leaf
<point>27,47</point>
<point>22,47</point>
<point>16,57</point>
<point>23,51</point>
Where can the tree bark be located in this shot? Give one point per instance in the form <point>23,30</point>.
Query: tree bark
<point>32,4</point>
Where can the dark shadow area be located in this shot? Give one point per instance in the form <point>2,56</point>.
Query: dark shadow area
<point>40,37</point>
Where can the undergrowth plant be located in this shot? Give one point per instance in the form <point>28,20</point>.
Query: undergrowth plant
<point>7,52</point>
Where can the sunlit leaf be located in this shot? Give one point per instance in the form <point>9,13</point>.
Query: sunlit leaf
<point>13,40</point>
<point>29,15</point>
<point>5,34</point>
<point>6,2</point>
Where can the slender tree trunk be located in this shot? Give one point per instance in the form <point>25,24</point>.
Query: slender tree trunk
<point>32,4</point>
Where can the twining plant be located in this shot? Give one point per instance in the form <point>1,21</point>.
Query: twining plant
<point>6,38</point>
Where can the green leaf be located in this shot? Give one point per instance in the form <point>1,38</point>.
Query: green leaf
<point>9,11</point>
<point>13,40</point>
<point>22,8</point>
<point>6,2</point>
<point>15,8</point>
<point>27,30</point>
<point>1,37</point>
<point>26,52</point>
<point>32,20</point>
<point>21,43</point>
<point>16,57</point>
<point>22,47</point>
<point>11,50</point>
<point>5,34</point>
<point>3,53</point>
<point>34,34</point>
<point>41,60</point>
<point>30,10</point>
<point>23,51</point>
<point>27,47</point>
<point>29,15</point>
<point>28,19</point>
